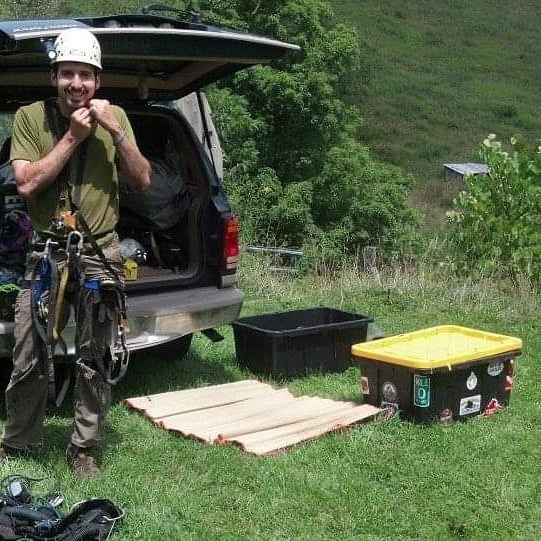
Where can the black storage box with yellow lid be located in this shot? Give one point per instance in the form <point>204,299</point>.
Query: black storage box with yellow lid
<point>299,341</point>
<point>438,374</point>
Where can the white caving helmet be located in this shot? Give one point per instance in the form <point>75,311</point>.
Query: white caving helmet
<point>77,45</point>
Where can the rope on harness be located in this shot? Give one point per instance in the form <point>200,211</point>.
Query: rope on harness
<point>120,355</point>
<point>74,245</point>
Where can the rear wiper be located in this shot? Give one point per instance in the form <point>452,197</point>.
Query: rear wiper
<point>193,15</point>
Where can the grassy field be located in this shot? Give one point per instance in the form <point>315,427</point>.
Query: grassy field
<point>437,77</point>
<point>385,480</point>
<point>437,80</point>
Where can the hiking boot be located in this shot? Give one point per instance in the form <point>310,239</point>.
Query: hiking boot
<point>82,462</point>
<point>9,452</point>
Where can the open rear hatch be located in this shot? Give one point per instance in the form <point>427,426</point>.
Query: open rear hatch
<point>144,57</point>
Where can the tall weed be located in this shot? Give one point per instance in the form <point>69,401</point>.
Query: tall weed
<point>398,290</point>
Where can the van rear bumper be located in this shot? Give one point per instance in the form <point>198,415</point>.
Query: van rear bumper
<point>159,317</point>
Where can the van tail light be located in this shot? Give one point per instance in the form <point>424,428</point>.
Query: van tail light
<point>230,254</point>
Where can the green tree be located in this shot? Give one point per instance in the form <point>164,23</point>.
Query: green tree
<point>26,9</point>
<point>307,137</point>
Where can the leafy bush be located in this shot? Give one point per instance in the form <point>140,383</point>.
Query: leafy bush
<point>364,200</point>
<point>21,9</point>
<point>498,216</point>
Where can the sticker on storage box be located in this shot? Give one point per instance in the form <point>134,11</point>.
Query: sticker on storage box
<point>391,409</point>
<point>446,415</point>
<point>365,385</point>
<point>421,391</point>
<point>492,407</point>
<point>389,392</point>
<point>471,382</point>
<point>470,404</point>
<point>495,369</point>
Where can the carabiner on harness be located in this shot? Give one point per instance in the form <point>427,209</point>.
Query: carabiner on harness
<point>74,244</point>
<point>120,354</point>
<point>43,293</point>
<point>41,282</point>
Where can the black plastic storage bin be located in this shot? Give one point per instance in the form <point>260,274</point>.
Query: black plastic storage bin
<point>427,396</point>
<point>300,341</point>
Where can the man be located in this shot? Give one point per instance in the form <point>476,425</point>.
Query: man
<point>64,155</point>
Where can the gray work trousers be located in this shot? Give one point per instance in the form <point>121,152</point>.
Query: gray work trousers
<point>96,319</point>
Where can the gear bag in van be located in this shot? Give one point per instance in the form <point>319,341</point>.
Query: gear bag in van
<point>166,201</point>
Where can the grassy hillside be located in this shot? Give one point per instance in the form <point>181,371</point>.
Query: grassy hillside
<point>438,76</point>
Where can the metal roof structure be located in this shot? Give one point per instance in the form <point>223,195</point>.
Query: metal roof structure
<point>467,168</point>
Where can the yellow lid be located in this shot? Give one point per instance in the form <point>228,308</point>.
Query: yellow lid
<point>437,347</point>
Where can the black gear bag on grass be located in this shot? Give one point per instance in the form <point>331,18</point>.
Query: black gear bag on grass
<point>24,518</point>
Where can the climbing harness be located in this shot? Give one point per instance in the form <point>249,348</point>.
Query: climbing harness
<point>49,281</point>
<point>61,264</point>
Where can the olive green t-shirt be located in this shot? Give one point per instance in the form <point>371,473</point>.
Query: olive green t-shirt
<point>97,196</point>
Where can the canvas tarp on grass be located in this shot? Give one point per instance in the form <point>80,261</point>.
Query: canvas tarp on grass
<point>254,415</point>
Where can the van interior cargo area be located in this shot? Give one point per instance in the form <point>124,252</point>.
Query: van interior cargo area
<point>168,222</point>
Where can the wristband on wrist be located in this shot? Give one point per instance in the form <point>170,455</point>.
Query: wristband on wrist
<point>119,137</point>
